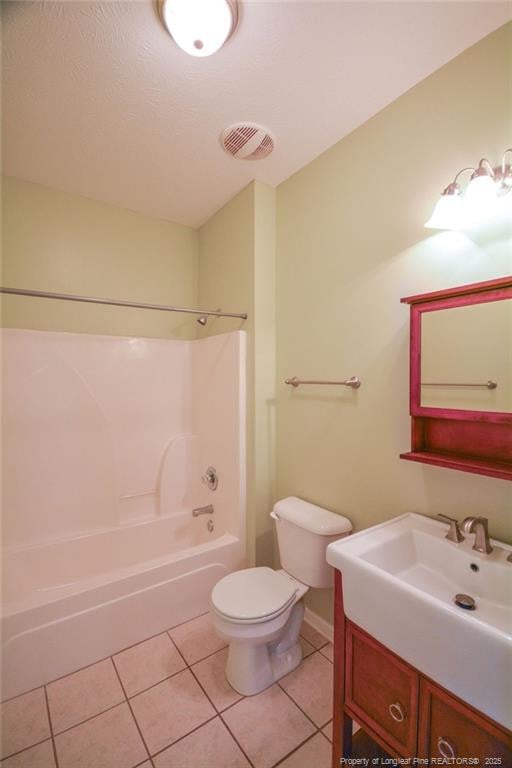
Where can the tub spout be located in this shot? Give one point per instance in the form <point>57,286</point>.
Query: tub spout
<point>208,510</point>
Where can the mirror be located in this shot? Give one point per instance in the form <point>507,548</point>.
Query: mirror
<point>460,396</point>
<point>466,357</point>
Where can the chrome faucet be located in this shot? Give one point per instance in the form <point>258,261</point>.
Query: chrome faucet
<point>478,526</point>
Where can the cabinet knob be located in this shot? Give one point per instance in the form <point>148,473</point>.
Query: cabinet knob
<point>445,749</point>
<point>396,711</point>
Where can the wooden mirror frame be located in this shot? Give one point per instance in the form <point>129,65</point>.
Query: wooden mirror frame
<point>471,441</point>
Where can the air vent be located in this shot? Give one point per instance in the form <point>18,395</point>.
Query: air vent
<point>247,141</point>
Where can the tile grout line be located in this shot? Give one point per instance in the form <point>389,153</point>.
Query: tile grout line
<point>312,644</point>
<point>187,665</point>
<point>219,715</point>
<point>298,705</point>
<point>167,746</point>
<point>295,749</point>
<point>54,746</point>
<point>191,664</point>
<point>25,693</point>
<point>153,685</point>
<point>131,711</point>
<point>226,726</point>
<point>25,749</point>
<point>88,719</point>
<point>326,737</point>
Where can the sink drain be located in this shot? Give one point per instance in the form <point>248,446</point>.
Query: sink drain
<point>465,601</point>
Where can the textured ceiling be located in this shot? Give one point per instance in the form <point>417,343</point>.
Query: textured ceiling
<point>99,101</point>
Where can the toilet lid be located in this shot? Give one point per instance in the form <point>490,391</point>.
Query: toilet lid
<point>253,593</point>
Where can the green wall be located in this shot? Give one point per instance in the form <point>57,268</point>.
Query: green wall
<point>53,241</point>
<point>350,243</point>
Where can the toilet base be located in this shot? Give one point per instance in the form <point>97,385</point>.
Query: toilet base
<point>252,668</point>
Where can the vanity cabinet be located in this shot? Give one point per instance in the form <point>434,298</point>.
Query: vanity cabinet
<point>402,710</point>
<point>381,690</point>
<point>449,728</point>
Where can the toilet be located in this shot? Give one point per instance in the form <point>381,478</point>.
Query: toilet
<point>259,611</point>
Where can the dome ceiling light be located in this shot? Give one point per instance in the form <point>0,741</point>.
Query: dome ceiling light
<point>199,27</point>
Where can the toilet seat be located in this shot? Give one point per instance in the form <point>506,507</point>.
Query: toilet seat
<point>254,595</point>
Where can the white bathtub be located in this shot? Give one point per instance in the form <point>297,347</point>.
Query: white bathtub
<point>70,603</point>
<point>105,442</point>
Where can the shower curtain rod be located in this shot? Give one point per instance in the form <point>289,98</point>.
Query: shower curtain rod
<point>120,303</point>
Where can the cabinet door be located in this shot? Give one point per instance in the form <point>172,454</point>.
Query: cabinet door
<point>381,691</point>
<point>451,729</point>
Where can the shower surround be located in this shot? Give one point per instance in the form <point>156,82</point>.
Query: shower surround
<point>105,441</point>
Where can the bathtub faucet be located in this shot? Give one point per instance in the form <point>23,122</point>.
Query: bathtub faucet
<point>208,510</point>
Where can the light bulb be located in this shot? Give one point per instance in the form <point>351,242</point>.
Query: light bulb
<point>480,198</point>
<point>449,212</point>
<point>199,27</point>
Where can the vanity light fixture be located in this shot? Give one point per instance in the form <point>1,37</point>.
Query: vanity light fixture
<point>457,208</point>
<point>199,27</point>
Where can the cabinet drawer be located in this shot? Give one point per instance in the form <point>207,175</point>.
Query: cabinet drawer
<point>381,691</point>
<point>451,729</point>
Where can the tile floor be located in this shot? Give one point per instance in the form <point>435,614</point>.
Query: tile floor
<point>165,703</point>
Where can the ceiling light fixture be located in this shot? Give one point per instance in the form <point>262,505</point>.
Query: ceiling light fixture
<point>199,27</point>
<point>458,208</point>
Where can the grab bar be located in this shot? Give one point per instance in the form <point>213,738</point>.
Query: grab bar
<point>353,382</point>
<point>488,384</point>
<point>208,510</point>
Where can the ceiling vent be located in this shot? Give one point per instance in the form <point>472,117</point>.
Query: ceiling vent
<point>247,141</point>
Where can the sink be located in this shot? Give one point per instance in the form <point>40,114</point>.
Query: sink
<point>400,579</point>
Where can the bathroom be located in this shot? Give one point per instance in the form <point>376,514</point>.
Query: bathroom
<point>152,449</point>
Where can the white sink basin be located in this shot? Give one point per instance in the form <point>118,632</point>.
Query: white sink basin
<point>399,583</point>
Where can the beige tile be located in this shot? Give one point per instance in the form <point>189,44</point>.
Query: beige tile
<point>327,731</point>
<point>267,726</point>
<point>307,648</point>
<point>310,685</point>
<point>211,745</point>
<point>83,694</point>
<point>170,710</point>
<point>40,756</point>
<point>110,740</point>
<point>211,673</point>
<point>24,722</point>
<point>328,652</point>
<point>197,639</point>
<point>148,663</point>
<point>313,636</point>
<point>315,752</point>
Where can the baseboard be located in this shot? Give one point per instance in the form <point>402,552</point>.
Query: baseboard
<point>321,625</point>
<point>327,630</point>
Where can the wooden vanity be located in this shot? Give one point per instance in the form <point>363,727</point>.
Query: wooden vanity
<point>406,713</point>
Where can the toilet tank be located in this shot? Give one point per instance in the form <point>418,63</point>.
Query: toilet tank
<point>303,533</point>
